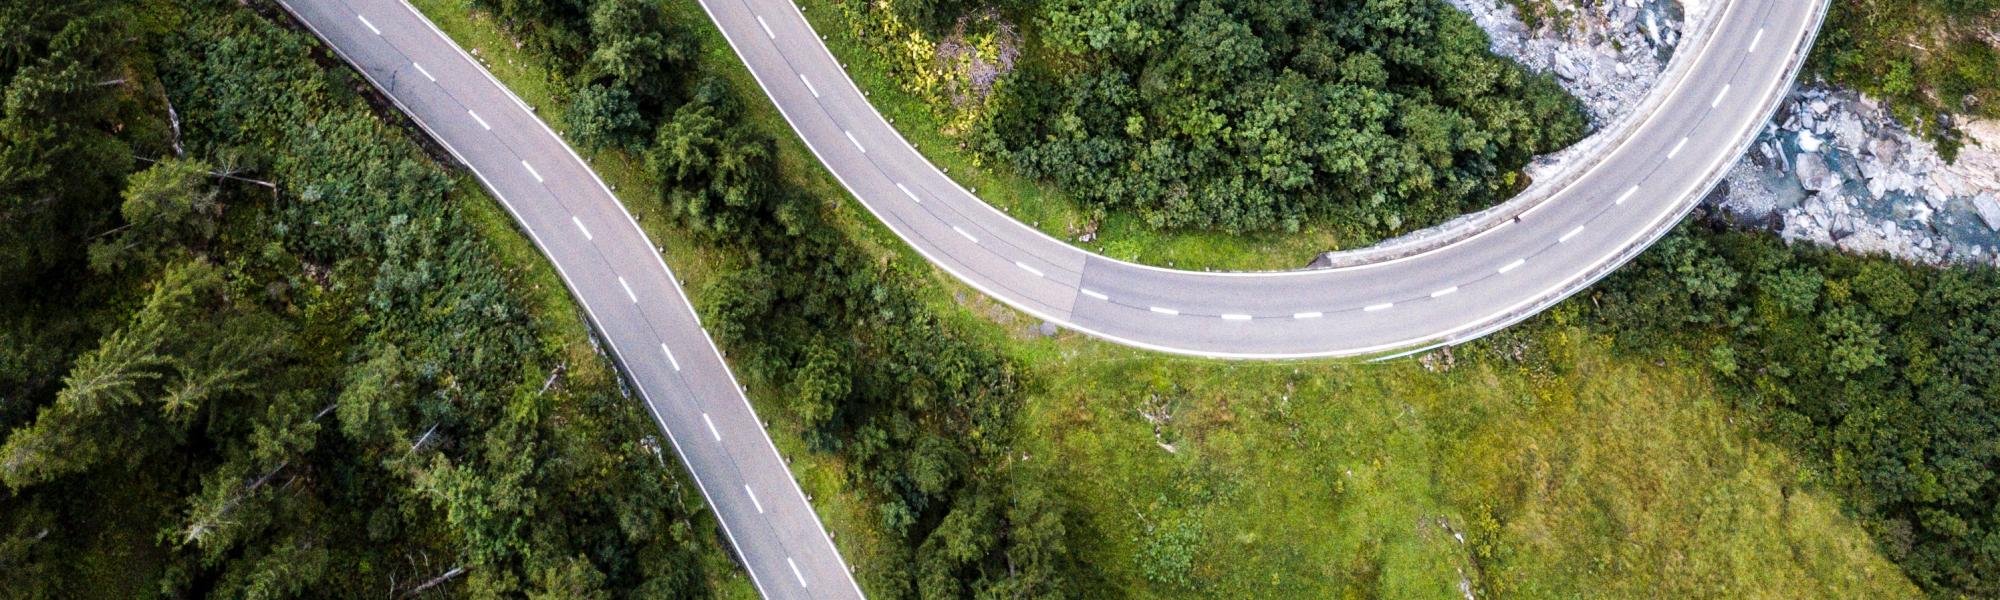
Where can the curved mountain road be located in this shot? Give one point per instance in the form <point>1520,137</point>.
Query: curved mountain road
<point>1488,279</point>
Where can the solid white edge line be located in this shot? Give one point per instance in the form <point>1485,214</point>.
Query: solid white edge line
<point>1677,148</point>
<point>753,498</point>
<point>1627,195</point>
<point>796,573</point>
<point>482,122</point>
<point>421,69</point>
<point>712,431</point>
<point>767,27</point>
<point>1235,317</point>
<point>906,192</point>
<point>580,227</point>
<point>531,171</point>
<point>1445,292</point>
<point>1030,270</point>
<point>857,143</point>
<point>1719,96</point>
<point>1513,265</point>
<point>1164,311</point>
<point>628,290</point>
<point>1572,233</point>
<point>1307,315</point>
<point>670,356</point>
<point>963,233</point>
<point>1377,307</point>
<point>1088,292</point>
<point>371,26</point>
<point>809,85</point>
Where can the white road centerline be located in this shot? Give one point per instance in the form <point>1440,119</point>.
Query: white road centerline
<point>857,143</point>
<point>1164,311</point>
<point>1235,317</point>
<point>1719,96</point>
<point>809,85</point>
<point>426,72</point>
<point>1445,292</point>
<point>1376,307</point>
<point>963,233</point>
<point>712,432</point>
<point>767,27</point>
<point>1572,233</point>
<point>371,26</point>
<point>1030,270</point>
<point>1513,265</point>
<point>1677,148</point>
<point>1307,315</point>
<point>670,357</point>
<point>796,573</point>
<point>906,192</point>
<point>1755,40</point>
<point>580,227</point>
<point>753,498</point>
<point>531,171</point>
<point>482,122</point>
<point>1627,195</point>
<point>1088,292</point>
<point>628,290</point>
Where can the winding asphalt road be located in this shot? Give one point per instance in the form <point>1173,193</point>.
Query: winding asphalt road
<point>1632,195</point>
<point>616,274</point>
<point>1487,279</point>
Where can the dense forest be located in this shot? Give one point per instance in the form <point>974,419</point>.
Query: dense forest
<point>255,347</point>
<point>921,412</point>
<point>1243,116</point>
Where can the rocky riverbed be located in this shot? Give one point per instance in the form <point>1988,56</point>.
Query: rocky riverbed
<point>1832,168</point>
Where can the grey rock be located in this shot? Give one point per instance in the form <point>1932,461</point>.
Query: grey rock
<point>1988,207</point>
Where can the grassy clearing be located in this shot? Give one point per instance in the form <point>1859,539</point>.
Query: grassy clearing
<point>1573,472</point>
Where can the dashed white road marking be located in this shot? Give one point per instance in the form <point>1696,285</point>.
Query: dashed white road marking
<point>1376,307</point>
<point>906,192</point>
<point>1235,317</point>
<point>426,72</point>
<point>371,26</point>
<point>767,27</point>
<point>1677,148</point>
<point>712,432</point>
<point>963,233</point>
<point>628,290</point>
<point>1307,315</point>
<point>1513,265</point>
<point>753,498</point>
<point>1164,311</point>
<point>857,143</point>
<point>1572,233</point>
<point>580,227</point>
<point>1719,96</point>
<point>482,122</point>
<point>1627,195</point>
<point>809,85</point>
<point>1756,40</point>
<point>1445,292</point>
<point>1030,270</point>
<point>670,357</point>
<point>531,171</point>
<point>1088,292</point>
<point>796,573</point>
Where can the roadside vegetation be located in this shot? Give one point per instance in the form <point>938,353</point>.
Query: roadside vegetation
<point>257,344</point>
<point>1928,59</point>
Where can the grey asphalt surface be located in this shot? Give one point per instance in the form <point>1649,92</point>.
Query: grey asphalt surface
<point>614,272</point>
<point>1636,191</point>
<point>1450,294</point>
